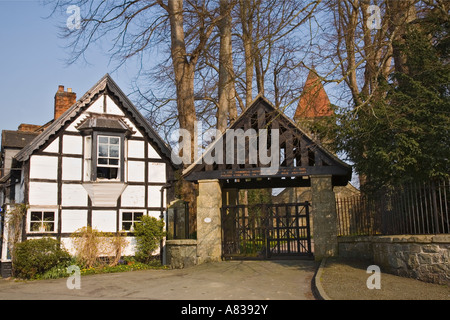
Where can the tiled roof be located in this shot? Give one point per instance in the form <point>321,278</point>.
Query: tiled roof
<point>314,101</point>
<point>17,139</point>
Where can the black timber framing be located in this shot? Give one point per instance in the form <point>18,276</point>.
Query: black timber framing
<point>265,183</point>
<point>58,129</point>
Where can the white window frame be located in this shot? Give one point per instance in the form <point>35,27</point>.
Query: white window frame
<point>87,168</point>
<point>118,166</point>
<point>43,211</point>
<point>133,211</point>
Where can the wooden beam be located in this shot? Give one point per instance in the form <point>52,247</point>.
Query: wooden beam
<point>245,173</point>
<point>267,183</point>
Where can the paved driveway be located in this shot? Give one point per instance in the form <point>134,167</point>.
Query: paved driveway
<point>230,280</point>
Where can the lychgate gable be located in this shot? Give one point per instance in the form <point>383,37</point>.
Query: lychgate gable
<point>264,143</point>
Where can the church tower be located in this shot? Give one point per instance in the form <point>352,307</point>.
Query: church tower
<point>314,104</point>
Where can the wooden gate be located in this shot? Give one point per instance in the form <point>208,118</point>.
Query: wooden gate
<point>266,231</point>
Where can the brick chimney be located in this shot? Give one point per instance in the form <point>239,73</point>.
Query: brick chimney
<point>64,100</point>
<point>25,127</point>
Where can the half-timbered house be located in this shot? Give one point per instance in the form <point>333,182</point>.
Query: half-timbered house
<point>97,163</point>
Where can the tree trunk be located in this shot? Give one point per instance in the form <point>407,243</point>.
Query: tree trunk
<point>401,13</point>
<point>184,81</point>
<point>259,72</point>
<point>184,72</point>
<point>247,39</point>
<point>227,93</point>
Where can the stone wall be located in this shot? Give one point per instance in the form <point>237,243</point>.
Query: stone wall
<point>302,194</point>
<point>181,253</point>
<point>423,257</point>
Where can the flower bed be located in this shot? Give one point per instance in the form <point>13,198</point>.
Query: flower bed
<point>60,271</point>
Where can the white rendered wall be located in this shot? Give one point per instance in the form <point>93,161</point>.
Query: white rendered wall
<point>111,108</point>
<point>53,147</point>
<point>154,196</point>
<point>72,144</point>
<point>135,149</point>
<point>152,152</point>
<point>43,167</point>
<point>74,195</point>
<point>155,214</point>
<point>72,220</point>
<point>133,196</point>
<point>43,194</point>
<point>136,171</point>
<point>157,172</point>
<point>104,220</point>
<point>72,168</point>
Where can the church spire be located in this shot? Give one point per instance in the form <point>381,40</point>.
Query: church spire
<point>314,101</point>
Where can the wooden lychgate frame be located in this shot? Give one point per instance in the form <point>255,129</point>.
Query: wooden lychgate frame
<point>279,230</point>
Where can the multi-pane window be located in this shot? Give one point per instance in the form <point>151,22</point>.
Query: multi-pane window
<point>42,221</point>
<point>129,219</point>
<point>108,157</point>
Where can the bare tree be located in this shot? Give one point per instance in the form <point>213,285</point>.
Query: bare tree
<point>361,43</point>
<point>269,36</point>
<point>136,27</point>
<point>226,110</point>
<point>216,51</point>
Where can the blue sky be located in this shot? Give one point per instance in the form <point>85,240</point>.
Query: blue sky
<point>33,64</point>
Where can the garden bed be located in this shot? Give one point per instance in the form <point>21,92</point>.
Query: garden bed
<point>60,271</point>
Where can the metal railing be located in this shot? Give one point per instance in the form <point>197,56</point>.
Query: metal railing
<point>415,208</point>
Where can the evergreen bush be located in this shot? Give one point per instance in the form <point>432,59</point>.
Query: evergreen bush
<point>36,256</point>
<point>149,232</point>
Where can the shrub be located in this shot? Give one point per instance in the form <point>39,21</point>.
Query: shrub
<point>149,232</point>
<point>87,243</point>
<point>95,248</point>
<point>36,256</point>
<point>14,221</point>
<point>58,271</point>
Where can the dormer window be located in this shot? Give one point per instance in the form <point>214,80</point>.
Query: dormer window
<point>104,140</point>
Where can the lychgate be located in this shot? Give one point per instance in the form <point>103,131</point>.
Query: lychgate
<point>228,227</point>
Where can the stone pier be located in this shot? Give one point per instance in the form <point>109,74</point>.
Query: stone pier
<point>209,204</point>
<point>324,217</point>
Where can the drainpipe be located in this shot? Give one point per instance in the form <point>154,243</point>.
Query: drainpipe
<point>164,187</point>
<point>162,251</point>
